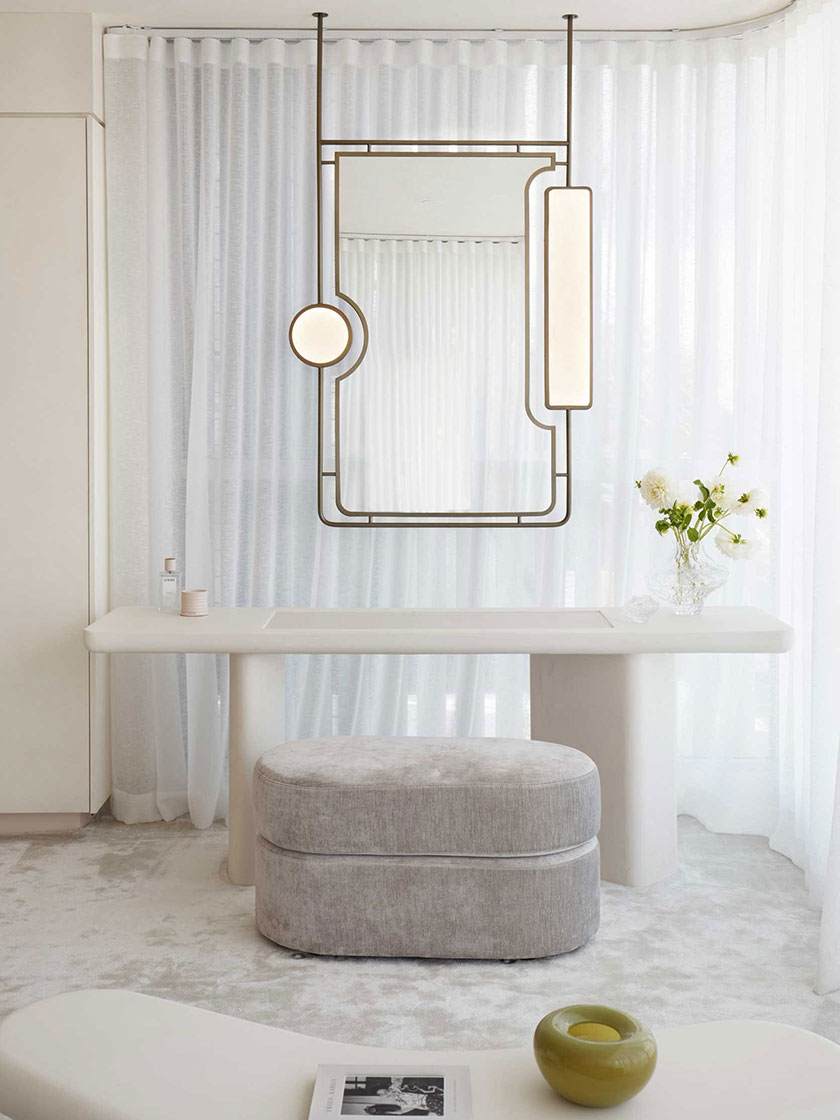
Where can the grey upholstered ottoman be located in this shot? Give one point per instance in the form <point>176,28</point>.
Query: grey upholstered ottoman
<point>418,847</point>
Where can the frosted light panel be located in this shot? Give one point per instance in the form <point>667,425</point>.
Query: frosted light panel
<point>568,331</point>
<point>320,335</point>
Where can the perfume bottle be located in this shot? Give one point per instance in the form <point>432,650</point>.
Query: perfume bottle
<point>170,587</point>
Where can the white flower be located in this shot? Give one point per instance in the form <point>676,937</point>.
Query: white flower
<point>724,491</point>
<point>737,547</point>
<point>658,489</point>
<point>686,493</point>
<point>754,501</point>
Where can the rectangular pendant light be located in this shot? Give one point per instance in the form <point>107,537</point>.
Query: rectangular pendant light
<point>568,297</point>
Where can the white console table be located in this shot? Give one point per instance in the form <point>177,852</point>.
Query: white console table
<point>598,682</point>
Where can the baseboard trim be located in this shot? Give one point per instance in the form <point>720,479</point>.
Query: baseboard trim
<point>37,824</point>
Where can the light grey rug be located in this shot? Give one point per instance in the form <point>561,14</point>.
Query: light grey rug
<point>149,908</point>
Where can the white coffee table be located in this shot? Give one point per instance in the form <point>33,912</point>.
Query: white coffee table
<point>599,682</point>
<point>113,1055</point>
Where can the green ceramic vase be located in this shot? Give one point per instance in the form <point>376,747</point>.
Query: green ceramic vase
<point>594,1055</point>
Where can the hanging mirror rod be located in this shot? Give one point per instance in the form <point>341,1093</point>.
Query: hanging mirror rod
<point>364,34</point>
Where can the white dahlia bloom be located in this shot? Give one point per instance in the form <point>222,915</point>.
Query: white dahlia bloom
<point>754,501</point>
<point>724,491</point>
<point>658,489</point>
<point>737,547</point>
<point>686,493</point>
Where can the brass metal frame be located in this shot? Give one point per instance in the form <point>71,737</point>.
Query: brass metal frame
<point>332,478</point>
<point>550,165</point>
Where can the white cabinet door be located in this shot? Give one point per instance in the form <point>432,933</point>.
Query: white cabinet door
<point>44,724</point>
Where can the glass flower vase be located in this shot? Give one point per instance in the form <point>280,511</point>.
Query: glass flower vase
<point>687,580</point>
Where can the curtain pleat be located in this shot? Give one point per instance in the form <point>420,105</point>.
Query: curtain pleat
<point>434,420</point>
<point>714,166</point>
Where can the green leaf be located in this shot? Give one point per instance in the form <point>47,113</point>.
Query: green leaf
<point>693,535</point>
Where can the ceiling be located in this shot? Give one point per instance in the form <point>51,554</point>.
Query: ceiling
<point>442,15</point>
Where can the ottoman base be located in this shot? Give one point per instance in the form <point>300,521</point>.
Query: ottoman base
<point>473,907</point>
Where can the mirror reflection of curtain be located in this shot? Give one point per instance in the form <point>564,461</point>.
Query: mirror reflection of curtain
<point>434,418</point>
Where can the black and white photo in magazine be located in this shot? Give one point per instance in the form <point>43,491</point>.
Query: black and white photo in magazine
<point>414,1094</point>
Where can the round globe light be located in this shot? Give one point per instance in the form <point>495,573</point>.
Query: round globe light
<point>320,335</point>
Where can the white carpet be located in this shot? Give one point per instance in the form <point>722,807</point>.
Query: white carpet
<point>149,908</point>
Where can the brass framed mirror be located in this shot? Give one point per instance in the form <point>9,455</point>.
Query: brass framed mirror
<point>462,272</point>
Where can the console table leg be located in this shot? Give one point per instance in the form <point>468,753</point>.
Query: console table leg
<point>620,710</point>
<point>256,724</point>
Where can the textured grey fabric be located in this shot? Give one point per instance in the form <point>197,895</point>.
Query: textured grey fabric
<point>438,906</point>
<point>426,796</point>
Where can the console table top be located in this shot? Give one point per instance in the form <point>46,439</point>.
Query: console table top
<point>437,630</point>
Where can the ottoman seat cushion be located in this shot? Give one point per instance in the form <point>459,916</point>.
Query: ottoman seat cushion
<point>426,796</point>
<point>425,847</point>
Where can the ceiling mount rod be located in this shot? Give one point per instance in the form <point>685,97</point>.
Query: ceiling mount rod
<point>367,34</point>
<point>570,19</point>
<point>319,109</point>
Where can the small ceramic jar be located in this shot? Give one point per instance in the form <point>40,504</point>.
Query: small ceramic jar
<point>194,603</point>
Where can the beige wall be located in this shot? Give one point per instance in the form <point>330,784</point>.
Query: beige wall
<point>54,756</point>
<point>50,63</point>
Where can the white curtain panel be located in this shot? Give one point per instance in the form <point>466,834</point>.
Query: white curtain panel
<point>713,165</point>
<point>435,420</point>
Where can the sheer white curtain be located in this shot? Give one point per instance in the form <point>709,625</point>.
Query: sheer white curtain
<point>434,419</point>
<point>713,165</point>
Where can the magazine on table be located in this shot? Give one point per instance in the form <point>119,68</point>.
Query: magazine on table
<point>363,1090</point>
